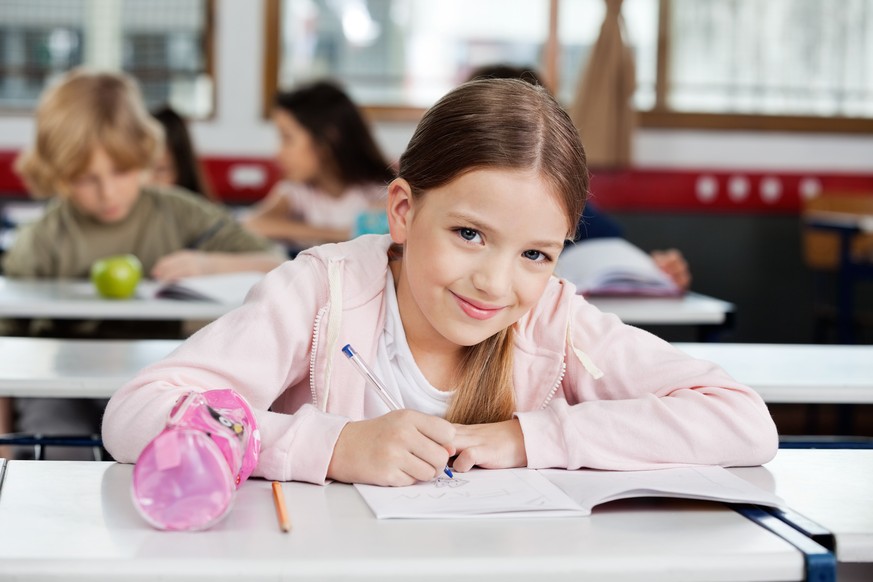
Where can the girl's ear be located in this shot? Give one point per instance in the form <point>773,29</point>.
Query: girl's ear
<point>399,208</point>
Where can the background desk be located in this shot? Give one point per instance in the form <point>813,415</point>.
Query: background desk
<point>709,315</point>
<point>50,368</point>
<point>832,488</point>
<point>14,214</point>
<point>75,521</point>
<point>690,309</point>
<point>68,299</point>
<point>786,373</point>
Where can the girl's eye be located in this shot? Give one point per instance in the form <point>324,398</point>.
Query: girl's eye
<point>468,234</point>
<point>535,256</point>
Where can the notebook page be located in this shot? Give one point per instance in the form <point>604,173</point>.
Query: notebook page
<point>480,493</point>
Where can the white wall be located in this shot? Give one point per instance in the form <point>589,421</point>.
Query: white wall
<point>238,129</point>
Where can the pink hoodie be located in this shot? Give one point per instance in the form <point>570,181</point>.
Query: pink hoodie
<point>590,391</point>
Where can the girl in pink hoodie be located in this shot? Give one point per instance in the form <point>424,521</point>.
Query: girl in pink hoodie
<point>495,361</point>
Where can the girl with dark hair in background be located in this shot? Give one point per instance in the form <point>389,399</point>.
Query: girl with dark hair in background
<point>333,169</point>
<point>179,165</point>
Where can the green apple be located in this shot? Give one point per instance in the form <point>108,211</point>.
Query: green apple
<point>116,277</point>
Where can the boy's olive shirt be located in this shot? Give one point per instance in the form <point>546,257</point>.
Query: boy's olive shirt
<point>64,243</point>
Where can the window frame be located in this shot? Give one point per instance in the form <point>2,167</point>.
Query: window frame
<point>659,117</point>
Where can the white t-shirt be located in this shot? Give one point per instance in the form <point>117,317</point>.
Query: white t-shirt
<point>397,369</point>
<point>319,209</point>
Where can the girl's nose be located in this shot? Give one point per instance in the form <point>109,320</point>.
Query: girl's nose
<point>493,277</point>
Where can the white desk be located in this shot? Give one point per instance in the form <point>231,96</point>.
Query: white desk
<point>15,214</point>
<point>800,373</point>
<point>832,488</point>
<point>690,309</point>
<point>781,373</point>
<point>75,521</point>
<point>50,368</point>
<point>67,299</point>
<point>21,212</point>
<point>78,300</point>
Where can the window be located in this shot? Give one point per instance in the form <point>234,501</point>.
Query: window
<point>405,53</point>
<point>781,64</point>
<point>163,43</point>
<point>778,57</point>
<point>578,28</point>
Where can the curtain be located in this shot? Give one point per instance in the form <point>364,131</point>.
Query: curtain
<point>602,107</point>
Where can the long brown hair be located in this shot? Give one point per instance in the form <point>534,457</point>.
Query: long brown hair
<point>189,171</point>
<point>503,124</point>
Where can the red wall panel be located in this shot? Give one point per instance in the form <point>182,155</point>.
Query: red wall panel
<point>247,179</point>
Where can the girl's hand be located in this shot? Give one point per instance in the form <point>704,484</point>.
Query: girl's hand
<point>399,448</point>
<point>675,266</point>
<point>180,264</point>
<point>498,445</point>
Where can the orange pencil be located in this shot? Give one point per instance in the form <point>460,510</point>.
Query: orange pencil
<point>281,512</point>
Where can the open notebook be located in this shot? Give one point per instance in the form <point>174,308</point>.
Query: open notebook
<point>228,288</point>
<point>555,493</point>
<point>613,266</point>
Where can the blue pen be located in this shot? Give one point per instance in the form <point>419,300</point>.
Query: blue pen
<point>377,384</point>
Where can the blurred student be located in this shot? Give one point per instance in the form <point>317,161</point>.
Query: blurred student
<point>333,170</point>
<point>178,165</point>
<point>593,223</point>
<point>95,144</point>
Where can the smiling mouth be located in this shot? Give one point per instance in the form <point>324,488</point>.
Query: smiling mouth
<point>476,310</point>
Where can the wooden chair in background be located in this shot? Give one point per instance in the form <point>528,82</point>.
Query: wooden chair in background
<point>837,232</point>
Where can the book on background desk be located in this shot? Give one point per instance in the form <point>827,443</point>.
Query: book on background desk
<point>483,493</point>
<point>228,288</point>
<point>614,267</point>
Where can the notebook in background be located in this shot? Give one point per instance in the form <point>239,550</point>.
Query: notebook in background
<point>228,288</point>
<point>613,267</point>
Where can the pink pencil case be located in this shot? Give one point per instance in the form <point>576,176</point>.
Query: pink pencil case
<point>187,476</point>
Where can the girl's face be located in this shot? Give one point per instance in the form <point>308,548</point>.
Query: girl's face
<point>104,192</point>
<point>298,155</point>
<point>478,254</point>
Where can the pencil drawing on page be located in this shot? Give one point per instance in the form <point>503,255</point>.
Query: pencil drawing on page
<point>446,481</point>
